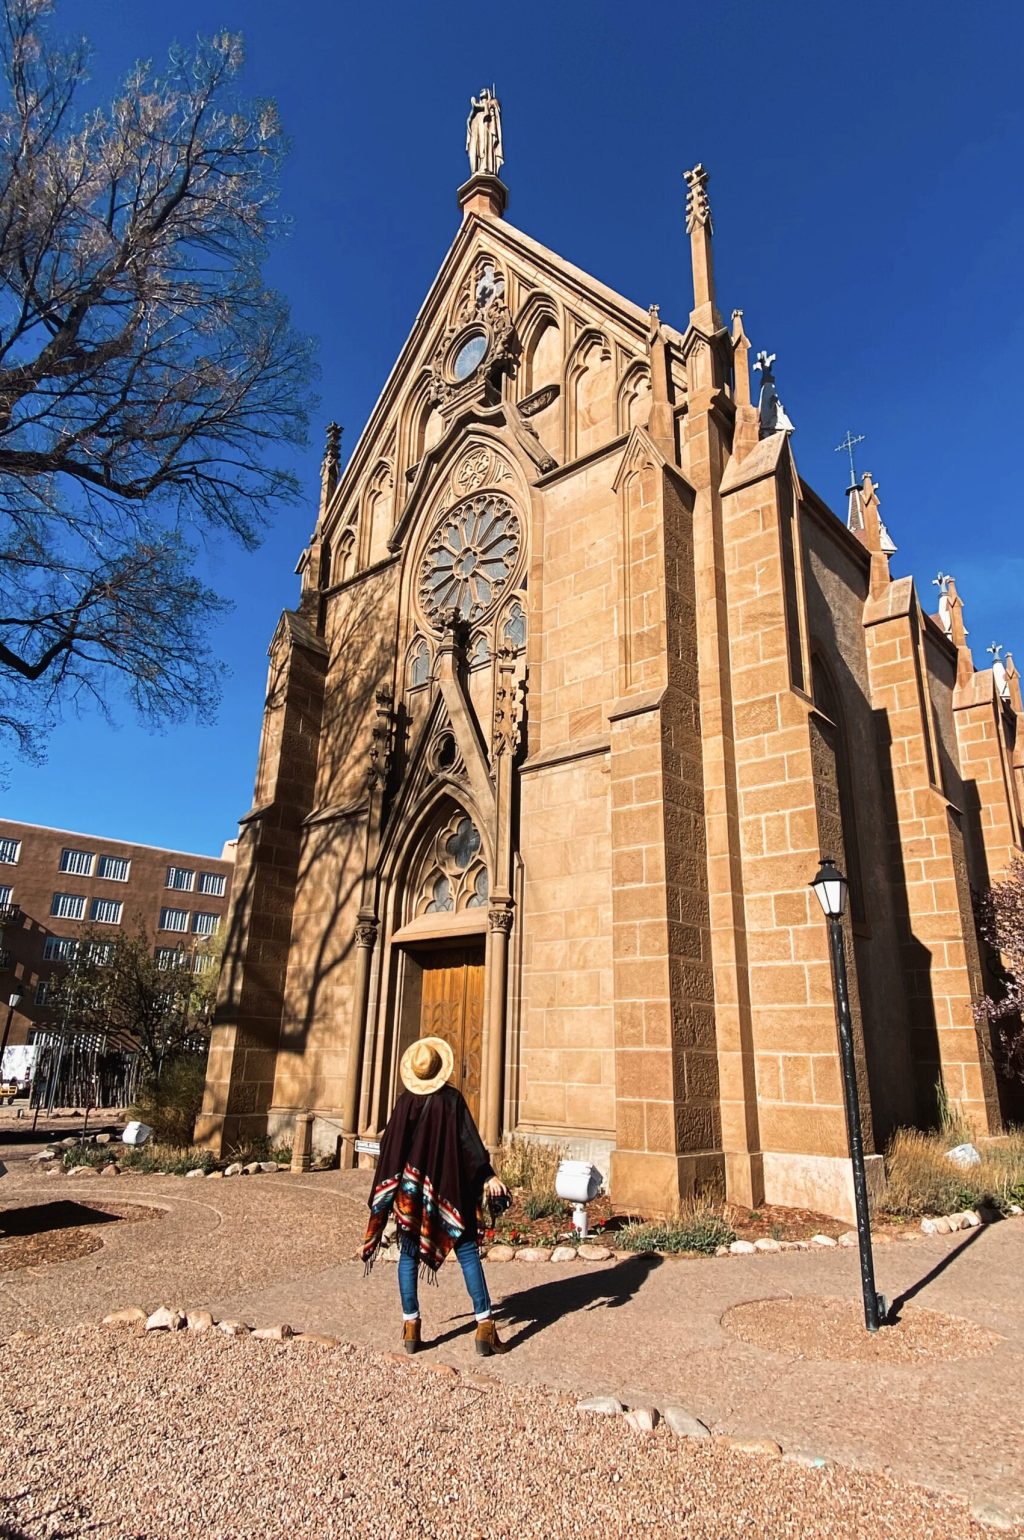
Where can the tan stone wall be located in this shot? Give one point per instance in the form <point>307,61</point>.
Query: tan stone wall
<point>567,1066</point>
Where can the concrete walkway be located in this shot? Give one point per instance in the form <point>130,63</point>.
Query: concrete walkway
<point>281,1248</point>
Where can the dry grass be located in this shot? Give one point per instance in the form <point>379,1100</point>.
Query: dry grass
<point>920,1179</point>
<point>529,1166</point>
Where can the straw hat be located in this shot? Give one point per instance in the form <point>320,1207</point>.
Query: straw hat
<point>426,1065</point>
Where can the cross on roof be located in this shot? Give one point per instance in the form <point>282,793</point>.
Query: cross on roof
<point>848,444</point>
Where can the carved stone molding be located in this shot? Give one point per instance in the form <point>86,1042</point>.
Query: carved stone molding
<point>507,706</point>
<point>382,740</point>
<point>366,934</point>
<point>540,400</point>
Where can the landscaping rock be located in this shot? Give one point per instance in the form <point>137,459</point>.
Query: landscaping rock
<point>822,1240</point>
<point>43,1155</point>
<point>743,1249</point>
<point>848,1238</point>
<point>501,1253</point>
<point>165,1319</point>
<point>594,1253</point>
<point>533,1254</point>
<point>754,1445</point>
<point>1015,1209</point>
<point>642,1418</point>
<point>83,1171</point>
<point>69,1142</point>
<point>317,1339</point>
<point>196,1171</point>
<point>110,1169</point>
<point>766,1243</point>
<point>564,1254</point>
<point>270,1167</point>
<point>232,1328</point>
<point>235,1169</point>
<point>199,1320</point>
<point>935,1226</point>
<point>684,1424</point>
<point>721,1251</point>
<point>103,1138</point>
<point>795,1245</point>
<point>274,1333</point>
<point>606,1406</point>
<point>130,1316</point>
<point>254,1168</point>
<point>995,1518</point>
<point>212,1176</point>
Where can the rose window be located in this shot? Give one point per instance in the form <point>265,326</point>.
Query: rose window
<point>470,559</point>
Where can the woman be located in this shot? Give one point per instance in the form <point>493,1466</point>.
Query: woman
<point>432,1173</point>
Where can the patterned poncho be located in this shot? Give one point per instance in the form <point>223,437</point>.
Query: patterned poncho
<point>430,1176</point>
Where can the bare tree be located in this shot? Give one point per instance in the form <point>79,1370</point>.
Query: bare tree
<point>148,375</point>
<point>156,1004</point>
<point>1002,925</point>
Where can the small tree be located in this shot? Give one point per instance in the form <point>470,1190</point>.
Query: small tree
<point>1002,925</point>
<point>148,375</point>
<point>116,987</point>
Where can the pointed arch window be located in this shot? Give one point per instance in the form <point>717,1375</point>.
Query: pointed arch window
<point>419,663</point>
<point>454,874</point>
<point>479,652</point>
<point>514,629</point>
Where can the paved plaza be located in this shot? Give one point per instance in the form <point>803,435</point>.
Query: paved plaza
<point>647,1331</point>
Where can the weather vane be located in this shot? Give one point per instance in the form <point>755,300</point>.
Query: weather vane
<point>848,444</point>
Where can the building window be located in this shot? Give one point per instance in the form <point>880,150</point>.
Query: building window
<point>174,919</point>
<point>6,894</point>
<point>202,962</point>
<point>206,924</point>
<point>107,911</point>
<point>169,957</point>
<point>182,878</point>
<point>59,948</point>
<point>99,952</point>
<point>515,626</point>
<point>68,906</point>
<point>42,990</point>
<point>78,862</point>
<point>114,868</point>
<point>10,851</point>
<point>212,883</point>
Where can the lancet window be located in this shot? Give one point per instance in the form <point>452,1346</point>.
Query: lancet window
<point>454,874</point>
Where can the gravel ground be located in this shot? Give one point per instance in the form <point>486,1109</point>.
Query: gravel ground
<point>155,1437</point>
<point>833,1330</point>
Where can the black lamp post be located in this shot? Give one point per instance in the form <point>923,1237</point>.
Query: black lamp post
<point>831,888</point>
<point>15,1001</point>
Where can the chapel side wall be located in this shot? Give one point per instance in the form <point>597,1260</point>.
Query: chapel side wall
<point>566,1050</point>
<point>318,996</point>
<point>566,1076</point>
<point>836,588</point>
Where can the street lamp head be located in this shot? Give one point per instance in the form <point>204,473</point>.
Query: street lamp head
<point>831,887</point>
<point>15,1000</point>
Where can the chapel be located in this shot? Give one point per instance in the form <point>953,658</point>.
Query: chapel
<point>582,681</point>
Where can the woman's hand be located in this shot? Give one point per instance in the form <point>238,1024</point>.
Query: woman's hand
<point>494,1187</point>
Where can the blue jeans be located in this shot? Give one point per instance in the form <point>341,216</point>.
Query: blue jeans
<point>468,1253</point>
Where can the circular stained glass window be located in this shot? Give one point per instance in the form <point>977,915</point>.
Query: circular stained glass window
<point>470,558</point>
<point>469,356</point>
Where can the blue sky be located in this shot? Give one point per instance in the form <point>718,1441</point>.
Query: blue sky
<point>865,181</point>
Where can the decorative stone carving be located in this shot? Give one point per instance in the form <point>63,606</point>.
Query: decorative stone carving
<point>382,740</point>
<point>500,920</point>
<point>483,134</point>
<point>540,400</point>
<point>454,874</point>
<point>475,470</point>
<point>507,705</point>
<point>698,209</point>
<point>330,464</point>
<point>366,934</point>
<point>771,412</point>
<point>479,344</point>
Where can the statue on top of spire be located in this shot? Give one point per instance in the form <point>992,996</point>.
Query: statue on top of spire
<point>483,134</point>
<point>770,409</point>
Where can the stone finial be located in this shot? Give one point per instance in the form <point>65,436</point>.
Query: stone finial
<point>1013,692</point>
<point>773,418</point>
<point>698,209</point>
<point>741,355</point>
<point>330,465</point>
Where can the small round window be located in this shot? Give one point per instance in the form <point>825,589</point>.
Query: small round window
<point>469,356</point>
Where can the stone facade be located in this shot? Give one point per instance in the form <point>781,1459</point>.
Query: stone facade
<point>582,681</point>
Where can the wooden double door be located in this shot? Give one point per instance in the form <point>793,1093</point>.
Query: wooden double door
<point>452,1008</point>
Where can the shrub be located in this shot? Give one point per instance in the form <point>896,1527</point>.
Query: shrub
<point>701,1229</point>
<point>144,1158</point>
<point>920,1179</point>
<point>172,1104</point>
<point>260,1148</point>
<point>529,1165</point>
<point>542,1205</point>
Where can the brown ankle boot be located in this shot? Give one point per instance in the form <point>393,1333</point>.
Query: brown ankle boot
<point>411,1336</point>
<point>487,1339</point>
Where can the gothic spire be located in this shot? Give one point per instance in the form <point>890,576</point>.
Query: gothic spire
<point>700,230</point>
<point>330,465</point>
